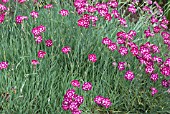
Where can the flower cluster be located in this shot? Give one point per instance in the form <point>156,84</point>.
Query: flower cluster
<point>36,31</point>
<point>88,11</point>
<point>101,101</point>
<point>3,65</point>
<point>73,101</point>
<point>66,49</point>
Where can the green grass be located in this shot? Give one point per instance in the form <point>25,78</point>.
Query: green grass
<point>41,90</point>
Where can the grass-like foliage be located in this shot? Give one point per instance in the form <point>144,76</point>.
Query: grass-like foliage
<point>123,55</point>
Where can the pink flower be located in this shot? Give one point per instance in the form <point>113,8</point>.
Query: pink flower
<point>123,22</point>
<point>83,22</point>
<point>41,54</point>
<point>36,31</point>
<point>154,91</point>
<point>149,69</point>
<point>91,9</point>
<point>148,33</point>
<point>73,106</point>
<point>165,83</point>
<point>48,6</point>
<point>75,83</point>
<point>34,62</point>
<point>115,13</point>
<point>70,93</point>
<point>156,29</point>
<point>106,41</point>
<point>49,42</point>
<point>34,14</point>
<point>98,100</point>
<point>112,46</point>
<point>76,111</point>
<point>3,65</point>
<point>113,4</point>
<point>154,77</point>
<point>132,9</point>
<point>153,20</point>
<point>20,1</point>
<point>123,51</point>
<point>106,102</point>
<point>129,75</point>
<point>121,65</point>
<point>165,70</point>
<point>167,62</point>
<point>146,8</point>
<point>19,19</point>
<point>134,51</point>
<point>79,99</point>
<point>2,8</point>
<point>66,49</point>
<point>64,12</point>
<point>108,17</point>
<point>87,86</point>
<point>5,1</point>
<point>92,58</point>
<point>38,39</point>
<point>2,17</point>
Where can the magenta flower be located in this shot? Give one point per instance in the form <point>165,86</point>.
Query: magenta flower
<point>106,41</point>
<point>153,20</point>
<point>64,12</point>
<point>2,8</point>
<point>41,54</point>
<point>87,86</point>
<point>134,51</point>
<point>38,39</point>
<point>2,17</point>
<point>66,49</point>
<point>156,29</point>
<point>20,1</point>
<point>49,42</point>
<point>112,4</point>
<point>123,22</point>
<point>129,75</point>
<point>76,111</point>
<point>79,99</point>
<point>36,31</point>
<point>154,91</point>
<point>148,33</point>
<point>108,17</point>
<point>123,50</point>
<point>91,9</point>
<point>167,62</point>
<point>19,19</point>
<point>149,69</point>
<point>106,102</point>
<point>34,62</point>
<point>98,100</point>
<point>75,83</point>
<point>132,9</point>
<point>73,106</point>
<point>70,93</point>
<point>112,46</point>
<point>154,77</point>
<point>92,58</point>
<point>34,14</point>
<point>115,13</point>
<point>146,8</point>
<point>48,6</point>
<point>3,65</point>
<point>165,70</point>
<point>165,83</point>
<point>121,65</point>
<point>5,1</point>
